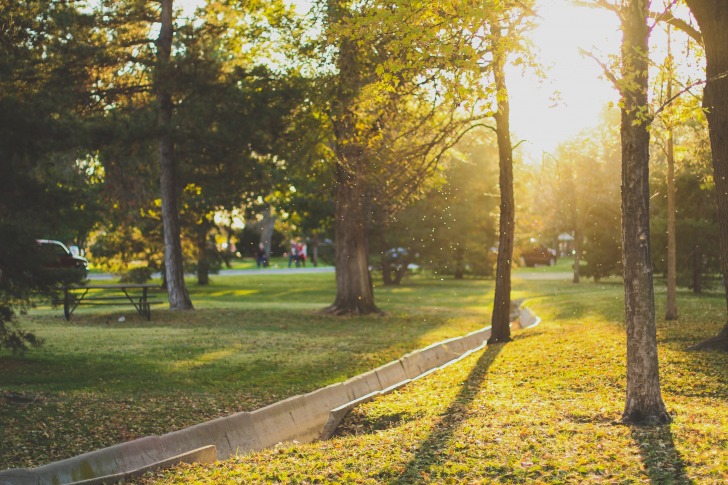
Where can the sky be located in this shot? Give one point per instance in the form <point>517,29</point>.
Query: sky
<point>571,98</point>
<point>574,93</point>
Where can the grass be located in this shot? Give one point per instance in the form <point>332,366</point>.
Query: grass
<point>543,408</point>
<point>253,340</point>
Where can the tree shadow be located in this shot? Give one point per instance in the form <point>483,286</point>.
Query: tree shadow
<point>430,452</point>
<point>662,461</point>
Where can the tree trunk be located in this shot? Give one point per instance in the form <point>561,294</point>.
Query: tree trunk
<point>267,225</point>
<point>500,321</point>
<point>314,250</point>
<point>671,304</point>
<point>712,16</point>
<point>577,254</point>
<point>354,290</point>
<point>173,262</point>
<point>203,256</point>
<point>697,270</point>
<point>644,399</point>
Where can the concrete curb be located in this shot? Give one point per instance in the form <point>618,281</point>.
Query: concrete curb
<point>301,418</point>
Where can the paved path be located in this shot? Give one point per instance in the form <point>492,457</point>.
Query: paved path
<point>232,272</point>
<point>545,275</point>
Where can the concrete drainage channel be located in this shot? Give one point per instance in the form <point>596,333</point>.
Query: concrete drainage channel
<point>303,418</point>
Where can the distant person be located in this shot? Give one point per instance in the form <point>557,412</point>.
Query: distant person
<point>260,256</point>
<point>293,256</point>
<point>302,253</point>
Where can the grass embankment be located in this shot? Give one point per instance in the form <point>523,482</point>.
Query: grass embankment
<point>543,408</point>
<point>253,340</point>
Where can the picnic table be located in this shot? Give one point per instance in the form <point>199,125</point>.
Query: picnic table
<point>133,293</point>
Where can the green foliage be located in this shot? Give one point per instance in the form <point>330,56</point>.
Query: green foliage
<point>44,193</point>
<point>603,244</point>
<point>452,229</point>
<point>698,249</point>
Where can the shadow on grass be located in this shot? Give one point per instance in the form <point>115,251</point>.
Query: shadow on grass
<point>663,463</point>
<point>432,451</point>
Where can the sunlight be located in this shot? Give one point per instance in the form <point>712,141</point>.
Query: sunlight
<point>574,93</point>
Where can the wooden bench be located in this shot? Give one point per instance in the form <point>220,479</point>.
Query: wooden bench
<point>136,294</point>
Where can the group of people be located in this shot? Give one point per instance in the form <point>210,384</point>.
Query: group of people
<point>297,253</point>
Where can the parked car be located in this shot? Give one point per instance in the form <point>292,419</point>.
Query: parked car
<point>56,255</point>
<point>539,254</point>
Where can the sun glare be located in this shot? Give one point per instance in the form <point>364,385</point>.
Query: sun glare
<point>574,92</point>
<point>545,112</point>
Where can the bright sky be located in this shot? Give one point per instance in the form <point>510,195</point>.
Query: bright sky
<point>581,91</point>
<point>536,114</point>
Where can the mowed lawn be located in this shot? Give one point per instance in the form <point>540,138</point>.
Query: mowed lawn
<point>543,408</point>
<point>253,340</point>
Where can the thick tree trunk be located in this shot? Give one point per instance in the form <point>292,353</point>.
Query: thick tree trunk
<point>644,399</point>
<point>712,16</point>
<point>500,321</point>
<point>173,262</point>
<point>267,226</point>
<point>203,256</point>
<point>354,290</point>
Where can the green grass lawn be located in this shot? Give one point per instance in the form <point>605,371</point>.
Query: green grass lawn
<point>543,408</point>
<point>253,340</point>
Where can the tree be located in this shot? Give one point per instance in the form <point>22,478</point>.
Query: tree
<point>392,115</point>
<point>44,63</point>
<point>179,298</point>
<point>501,317</point>
<point>644,399</point>
<point>712,18</point>
<point>578,191</point>
<point>452,229</point>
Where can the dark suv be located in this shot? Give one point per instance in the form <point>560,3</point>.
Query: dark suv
<point>56,255</point>
<point>538,254</point>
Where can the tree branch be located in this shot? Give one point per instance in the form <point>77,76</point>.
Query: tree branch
<point>607,72</point>
<point>668,17</point>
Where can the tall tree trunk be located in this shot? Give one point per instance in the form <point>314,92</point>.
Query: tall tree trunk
<point>177,294</point>
<point>671,306</point>
<point>354,290</point>
<point>500,321</point>
<point>577,254</point>
<point>712,16</point>
<point>644,399</point>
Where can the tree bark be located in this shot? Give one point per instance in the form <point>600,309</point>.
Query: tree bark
<point>267,225</point>
<point>173,262</point>
<point>644,399</point>
<point>712,17</point>
<point>577,254</point>
<point>354,289</point>
<point>500,321</point>
<point>671,304</point>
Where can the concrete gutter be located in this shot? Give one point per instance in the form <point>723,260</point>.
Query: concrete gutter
<point>303,418</point>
